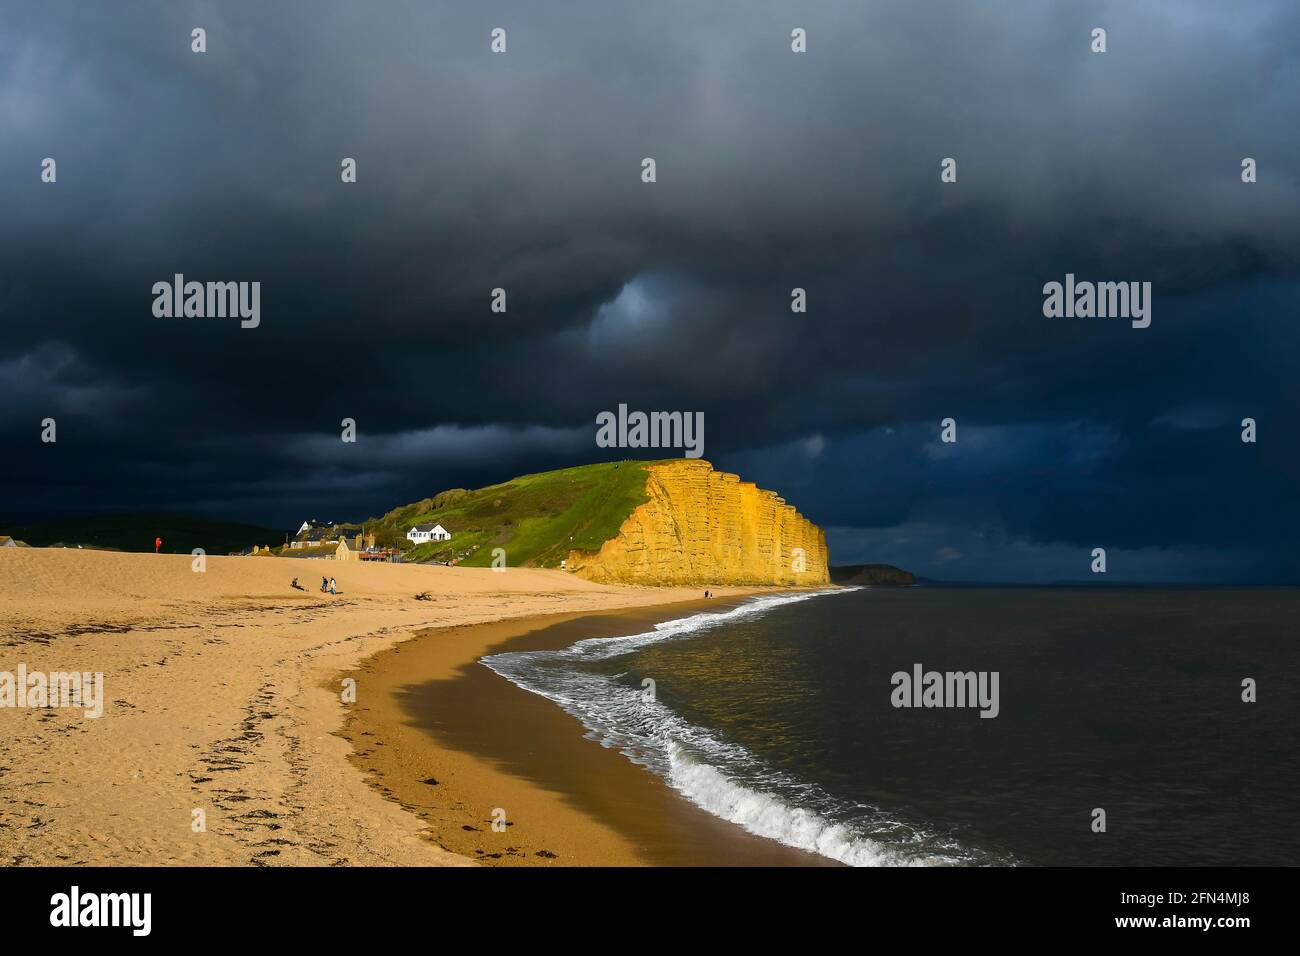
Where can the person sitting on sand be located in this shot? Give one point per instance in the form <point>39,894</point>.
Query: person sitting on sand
<point>296,586</point>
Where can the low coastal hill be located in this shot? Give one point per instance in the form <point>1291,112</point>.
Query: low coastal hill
<point>871,574</point>
<point>180,535</point>
<point>672,522</point>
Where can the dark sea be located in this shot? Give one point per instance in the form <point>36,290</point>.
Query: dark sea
<point>778,715</point>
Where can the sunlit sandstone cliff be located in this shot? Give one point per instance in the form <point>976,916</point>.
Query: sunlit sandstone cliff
<point>702,526</point>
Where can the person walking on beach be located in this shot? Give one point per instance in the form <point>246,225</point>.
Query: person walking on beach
<point>334,586</point>
<point>324,585</point>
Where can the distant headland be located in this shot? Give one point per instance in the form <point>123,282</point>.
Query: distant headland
<point>871,574</point>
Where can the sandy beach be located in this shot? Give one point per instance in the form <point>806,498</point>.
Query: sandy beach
<point>222,695</point>
<point>453,742</point>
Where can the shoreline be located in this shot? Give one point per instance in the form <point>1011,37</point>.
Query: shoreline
<point>219,697</point>
<point>451,741</point>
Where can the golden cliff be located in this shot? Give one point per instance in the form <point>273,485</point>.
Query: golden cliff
<point>703,527</point>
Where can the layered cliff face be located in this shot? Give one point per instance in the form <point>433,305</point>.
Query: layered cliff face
<point>702,527</point>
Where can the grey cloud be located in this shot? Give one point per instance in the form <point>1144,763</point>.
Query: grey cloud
<point>775,170</point>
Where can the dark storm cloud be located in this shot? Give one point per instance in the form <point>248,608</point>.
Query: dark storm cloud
<point>775,170</point>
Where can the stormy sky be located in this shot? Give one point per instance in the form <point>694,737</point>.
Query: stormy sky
<point>775,170</point>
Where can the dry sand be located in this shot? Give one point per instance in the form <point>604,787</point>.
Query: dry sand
<point>221,694</point>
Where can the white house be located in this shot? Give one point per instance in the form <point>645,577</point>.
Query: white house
<point>421,533</point>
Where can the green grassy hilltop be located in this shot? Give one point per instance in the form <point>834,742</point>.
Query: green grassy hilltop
<point>538,519</point>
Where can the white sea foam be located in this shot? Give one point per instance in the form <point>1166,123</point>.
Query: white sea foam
<point>767,816</point>
<point>720,777</point>
<point>603,648</point>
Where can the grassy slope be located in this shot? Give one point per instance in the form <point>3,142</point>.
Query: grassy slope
<point>538,519</point>
<point>136,533</point>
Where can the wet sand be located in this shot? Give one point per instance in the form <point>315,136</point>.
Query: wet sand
<point>452,741</point>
